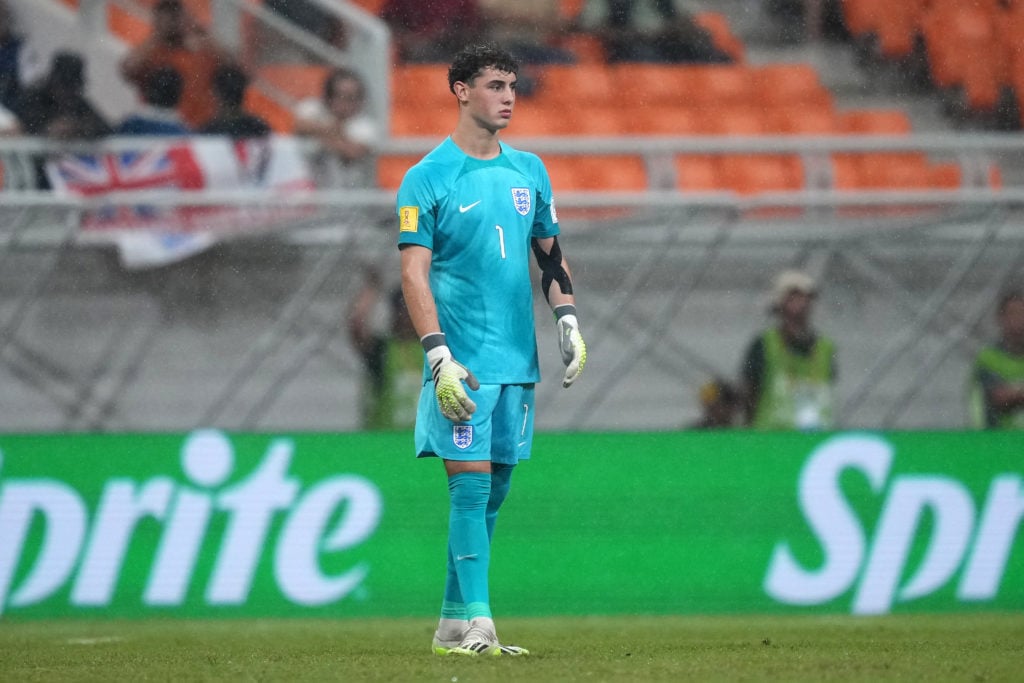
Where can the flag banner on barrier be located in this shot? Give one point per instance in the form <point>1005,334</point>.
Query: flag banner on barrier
<point>213,524</point>
<point>149,235</point>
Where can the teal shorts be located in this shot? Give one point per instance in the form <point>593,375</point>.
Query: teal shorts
<point>501,429</point>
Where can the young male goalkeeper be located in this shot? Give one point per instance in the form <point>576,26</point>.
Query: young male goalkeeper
<point>470,212</point>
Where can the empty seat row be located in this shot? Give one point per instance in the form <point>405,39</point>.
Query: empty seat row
<point>537,120</point>
<point>972,45</point>
<point>634,85</point>
<point>743,173</point>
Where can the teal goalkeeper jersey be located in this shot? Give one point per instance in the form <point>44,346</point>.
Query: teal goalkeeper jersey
<point>478,217</point>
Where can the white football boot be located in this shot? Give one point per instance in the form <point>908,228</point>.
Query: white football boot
<point>480,639</point>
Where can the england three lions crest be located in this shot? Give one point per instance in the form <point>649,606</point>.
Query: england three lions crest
<point>462,436</point>
<point>521,199</point>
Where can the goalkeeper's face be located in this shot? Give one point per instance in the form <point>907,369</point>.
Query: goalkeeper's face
<point>489,98</point>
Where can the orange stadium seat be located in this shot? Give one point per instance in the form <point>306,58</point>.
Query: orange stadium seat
<point>391,169</point>
<point>661,120</point>
<point>778,85</point>
<point>536,119</point>
<point>128,26</point>
<point>562,172</point>
<point>800,120</point>
<point>576,85</point>
<point>869,170</point>
<point>202,10</point>
<point>861,16</point>
<point>642,84</point>
<point>875,121</point>
<point>278,116</point>
<point>569,9</point>
<point>370,6</point>
<point>738,119</point>
<point>717,85</point>
<point>950,32</point>
<point>983,80</point>
<point>887,171</point>
<point>428,83</point>
<point>725,40</point>
<point>754,173</point>
<point>898,27</point>
<point>588,48</point>
<point>600,121</point>
<point>412,121</point>
<point>615,173</point>
<point>946,176</point>
<point>697,173</point>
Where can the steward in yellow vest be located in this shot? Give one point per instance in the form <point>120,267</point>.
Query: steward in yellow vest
<point>789,371</point>
<point>996,386</point>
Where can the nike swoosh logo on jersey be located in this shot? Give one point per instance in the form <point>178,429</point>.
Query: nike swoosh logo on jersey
<point>466,557</point>
<point>464,209</point>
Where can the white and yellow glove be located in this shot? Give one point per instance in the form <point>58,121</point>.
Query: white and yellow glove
<point>449,375</point>
<point>570,343</point>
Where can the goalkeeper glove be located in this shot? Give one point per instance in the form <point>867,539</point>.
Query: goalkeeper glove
<point>570,343</point>
<point>449,375</point>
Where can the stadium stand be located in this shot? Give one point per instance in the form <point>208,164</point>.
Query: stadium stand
<point>968,51</point>
<point>741,99</point>
<point>244,336</point>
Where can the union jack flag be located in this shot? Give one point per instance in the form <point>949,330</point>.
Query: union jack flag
<point>93,174</point>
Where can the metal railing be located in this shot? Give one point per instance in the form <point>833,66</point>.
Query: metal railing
<point>909,279</point>
<point>974,153</point>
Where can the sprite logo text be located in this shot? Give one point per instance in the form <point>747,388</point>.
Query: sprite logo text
<point>968,544</point>
<point>85,550</point>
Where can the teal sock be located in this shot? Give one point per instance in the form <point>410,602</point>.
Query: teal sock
<point>453,607</point>
<point>469,546</point>
<point>501,482</point>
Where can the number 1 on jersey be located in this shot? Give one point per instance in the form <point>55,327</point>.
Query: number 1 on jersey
<point>501,239</point>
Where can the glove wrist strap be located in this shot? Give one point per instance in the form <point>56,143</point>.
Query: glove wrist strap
<point>433,340</point>
<point>563,310</point>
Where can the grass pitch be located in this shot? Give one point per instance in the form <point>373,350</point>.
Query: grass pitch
<point>974,648</point>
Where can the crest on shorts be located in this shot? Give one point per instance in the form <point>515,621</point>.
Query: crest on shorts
<point>462,436</point>
<point>521,200</point>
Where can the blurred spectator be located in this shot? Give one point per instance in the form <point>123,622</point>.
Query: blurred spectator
<point>57,107</point>
<point>432,31</point>
<point>529,29</point>
<point>789,370</point>
<point>9,124</point>
<point>179,41</point>
<point>311,17</point>
<point>719,403</point>
<point>158,114</point>
<point>799,20</point>
<point>347,135</point>
<point>19,62</point>
<point>997,380</point>
<point>392,358</point>
<point>648,31</point>
<point>229,85</point>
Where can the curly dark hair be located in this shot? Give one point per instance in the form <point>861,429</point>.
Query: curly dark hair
<point>473,59</point>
